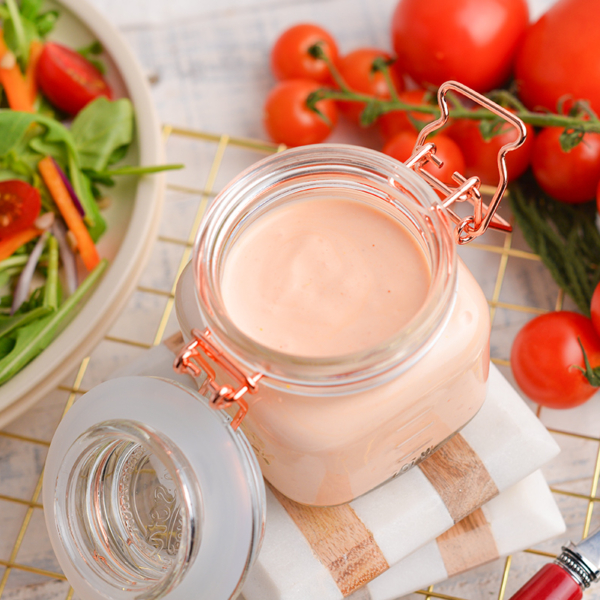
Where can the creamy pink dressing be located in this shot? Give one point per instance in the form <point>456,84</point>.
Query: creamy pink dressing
<point>324,277</point>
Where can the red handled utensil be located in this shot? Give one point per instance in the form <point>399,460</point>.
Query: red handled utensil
<point>573,571</point>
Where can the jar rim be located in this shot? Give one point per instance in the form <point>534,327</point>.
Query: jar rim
<point>252,191</point>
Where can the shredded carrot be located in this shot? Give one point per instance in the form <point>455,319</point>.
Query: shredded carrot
<point>9,245</point>
<point>71,215</point>
<point>12,80</point>
<point>35,51</point>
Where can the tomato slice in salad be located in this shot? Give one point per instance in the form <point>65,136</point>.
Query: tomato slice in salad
<point>68,80</point>
<point>20,205</point>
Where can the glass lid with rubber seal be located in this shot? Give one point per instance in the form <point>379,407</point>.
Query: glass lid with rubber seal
<point>150,494</point>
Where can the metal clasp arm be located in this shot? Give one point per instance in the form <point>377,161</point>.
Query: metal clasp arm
<point>192,359</point>
<point>468,189</point>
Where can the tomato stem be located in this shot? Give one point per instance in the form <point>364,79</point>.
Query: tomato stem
<point>382,65</point>
<point>316,51</point>
<point>582,123</point>
<point>590,373</point>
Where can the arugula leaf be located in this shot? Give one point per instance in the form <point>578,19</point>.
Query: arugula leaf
<point>83,188</point>
<point>6,345</point>
<point>88,52</point>
<point>14,29</point>
<point>35,337</point>
<point>118,155</point>
<point>45,22</point>
<point>9,324</point>
<point>14,125</point>
<point>31,8</point>
<point>100,129</point>
<point>56,150</point>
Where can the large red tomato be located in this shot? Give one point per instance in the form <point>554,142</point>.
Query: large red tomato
<point>559,56</point>
<point>471,41</point>
<point>545,356</point>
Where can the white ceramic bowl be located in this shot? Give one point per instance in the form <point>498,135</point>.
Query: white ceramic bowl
<point>132,217</point>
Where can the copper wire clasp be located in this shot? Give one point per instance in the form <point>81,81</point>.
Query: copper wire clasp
<point>192,359</point>
<point>467,189</point>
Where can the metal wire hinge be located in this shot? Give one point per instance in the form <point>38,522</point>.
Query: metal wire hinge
<point>192,359</point>
<point>483,216</point>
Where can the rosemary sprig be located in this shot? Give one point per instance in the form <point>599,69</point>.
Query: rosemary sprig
<point>565,237</point>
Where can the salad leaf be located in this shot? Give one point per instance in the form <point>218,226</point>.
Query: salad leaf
<point>93,49</point>
<point>9,324</point>
<point>15,31</point>
<point>31,8</point>
<point>6,345</point>
<point>101,129</point>
<point>45,22</point>
<point>14,126</point>
<point>83,188</point>
<point>35,337</point>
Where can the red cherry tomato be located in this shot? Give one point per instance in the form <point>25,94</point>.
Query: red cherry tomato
<point>356,70</point>
<point>20,205</point>
<point>471,41</point>
<point>481,156</point>
<point>543,355</point>
<point>567,176</point>
<point>289,121</point>
<point>68,80</point>
<point>394,122</point>
<point>290,58</point>
<point>559,56</point>
<point>401,147</point>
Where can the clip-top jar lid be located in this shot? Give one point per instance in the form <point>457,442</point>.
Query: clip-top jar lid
<point>149,493</point>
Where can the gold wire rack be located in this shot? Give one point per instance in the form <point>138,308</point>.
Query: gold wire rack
<point>26,571</point>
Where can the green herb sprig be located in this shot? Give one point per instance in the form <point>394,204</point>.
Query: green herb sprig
<point>564,235</point>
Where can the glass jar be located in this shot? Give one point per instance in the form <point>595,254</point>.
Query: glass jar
<point>329,429</point>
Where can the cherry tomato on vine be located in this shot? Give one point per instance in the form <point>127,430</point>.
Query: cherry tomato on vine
<point>356,70</point>
<point>289,121</point>
<point>68,80</point>
<point>394,122</point>
<point>401,147</point>
<point>567,176</point>
<point>481,156</point>
<point>559,56</point>
<point>20,205</point>
<point>290,58</point>
<point>543,355</point>
<point>471,41</point>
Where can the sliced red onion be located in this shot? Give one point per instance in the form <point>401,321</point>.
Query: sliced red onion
<point>66,255</point>
<point>70,189</point>
<point>22,290</point>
